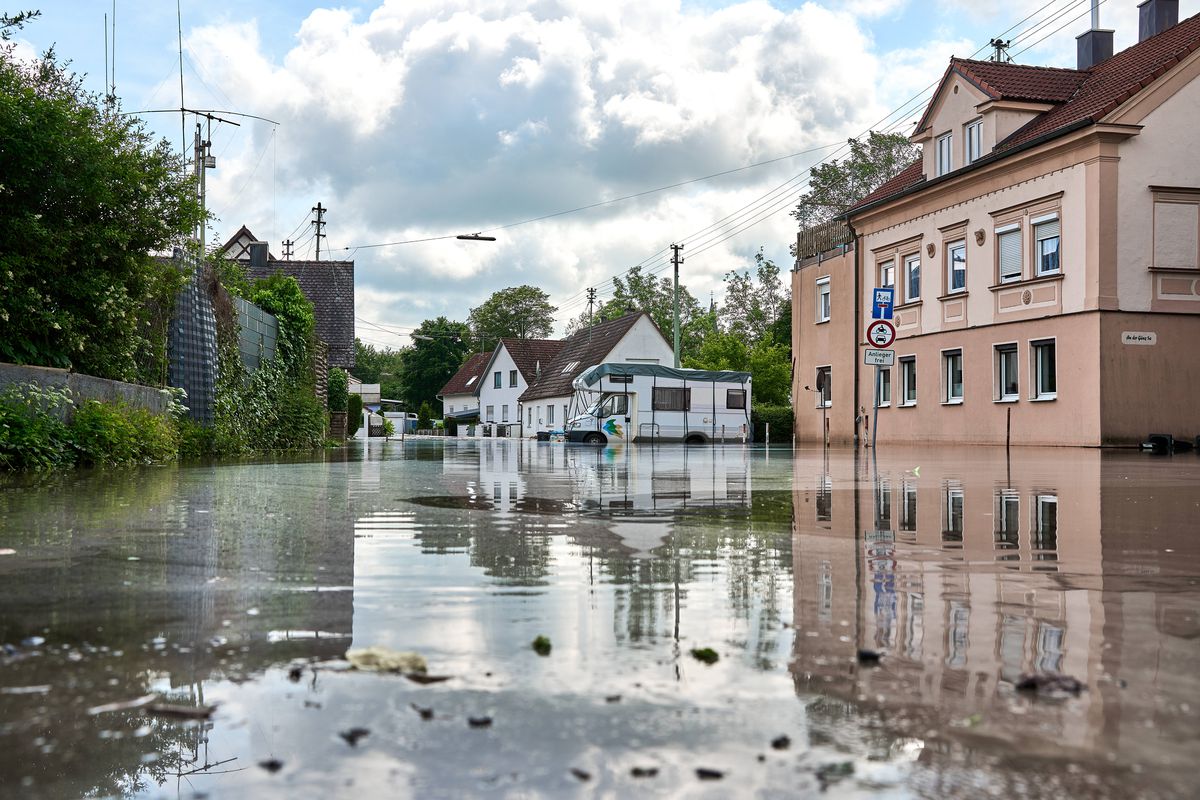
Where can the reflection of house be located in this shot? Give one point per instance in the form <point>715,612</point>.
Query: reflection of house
<point>1044,252</point>
<point>633,338</point>
<point>460,395</point>
<point>328,285</point>
<point>969,576</point>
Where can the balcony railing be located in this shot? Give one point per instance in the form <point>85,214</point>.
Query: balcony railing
<point>822,238</point>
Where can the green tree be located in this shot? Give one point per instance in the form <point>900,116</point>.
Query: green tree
<point>753,302</point>
<point>834,187</point>
<point>85,197</point>
<point>641,291</point>
<point>520,312</point>
<point>384,366</point>
<point>439,349</point>
<point>772,370</point>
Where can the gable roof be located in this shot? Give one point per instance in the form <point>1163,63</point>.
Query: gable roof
<point>1079,97</point>
<point>466,380</point>
<point>238,245</point>
<point>528,354</point>
<point>329,286</point>
<point>584,349</point>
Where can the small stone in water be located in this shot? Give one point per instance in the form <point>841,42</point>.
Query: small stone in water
<point>613,698</point>
<point>869,658</point>
<point>426,713</point>
<point>271,765</point>
<point>705,654</point>
<point>479,722</point>
<point>1050,684</point>
<point>644,772</point>
<point>353,735</point>
<point>541,645</point>
<point>705,774</point>
<point>582,775</point>
<point>781,742</point>
<point>294,673</point>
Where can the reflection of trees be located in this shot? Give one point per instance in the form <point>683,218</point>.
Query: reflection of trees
<point>517,554</point>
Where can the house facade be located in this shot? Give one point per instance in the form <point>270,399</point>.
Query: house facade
<point>633,338</point>
<point>508,372</point>
<point>460,395</point>
<point>1045,257</point>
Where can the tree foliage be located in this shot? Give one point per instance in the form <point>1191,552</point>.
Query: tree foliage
<point>835,187</point>
<point>384,366</point>
<point>753,301</point>
<point>519,312</point>
<point>440,347</point>
<point>86,197</point>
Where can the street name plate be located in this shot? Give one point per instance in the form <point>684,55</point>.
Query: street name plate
<point>1139,337</point>
<point>879,358</point>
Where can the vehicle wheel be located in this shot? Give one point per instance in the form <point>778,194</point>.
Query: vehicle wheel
<point>694,439</point>
<point>593,438</point>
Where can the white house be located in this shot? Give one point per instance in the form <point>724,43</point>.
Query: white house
<point>633,338</point>
<point>460,395</point>
<point>508,372</point>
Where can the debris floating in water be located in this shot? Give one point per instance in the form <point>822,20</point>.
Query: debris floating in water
<point>705,654</point>
<point>1050,684</point>
<point>353,735</point>
<point>479,722</point>
<point>382,659</point>
<point>644,772</point>
<point>541,645</point>
<point>426,713</point>
<point>422,678</point>
<point>271,765</point>
<point>174,711</point>
<point>869,658</point>
<point>123,705</point>
<point>582,775</point>
<point>781,742</point>
<point>706,774</point>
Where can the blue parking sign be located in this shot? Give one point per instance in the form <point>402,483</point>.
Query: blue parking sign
<point>881,308</point>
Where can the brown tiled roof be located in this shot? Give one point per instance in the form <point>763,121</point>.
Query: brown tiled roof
<point>1115,80</point>
<point>461,383</point>
<point>908,177</point>
<point>1011,82</point>
<point>585,348</point>
<point>527,354</point>
<point>329,286</point>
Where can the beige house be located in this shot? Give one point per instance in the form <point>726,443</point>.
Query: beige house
<point>1044,252</point>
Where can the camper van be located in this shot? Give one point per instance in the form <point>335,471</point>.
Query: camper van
<point>623,402</point>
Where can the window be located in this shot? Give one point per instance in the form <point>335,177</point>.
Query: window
<point>952,375</point>
<point>908,381</point>
<point>529,416</point>
<point>883,397</point>
<point>956,267</point>
<point>823,307</point>
<point>952,518</point>
<point>1044,535</point>
<point>1006,372</point>
<point>908,509</point>
<point>512,378</point>
<point>824,387</point>
<point>945,143</point>
<point>491,414</point>
<point>471,379</point>
<point>912,278</point>
<point>496,381</point>
<point>616,405</point>
<point>974,141</point>
<point>887,275</point>
<point>671,399</point>
<point>1007,518</point>
<point>550,414</point>
<point>735,398</point>
<point>1045,382</point>
<point>504,413</point>
<point>1045,245</point>
<point>572,365</point>
<point>1008,244</point>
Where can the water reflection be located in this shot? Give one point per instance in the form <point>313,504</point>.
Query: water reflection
<point>969,570</point>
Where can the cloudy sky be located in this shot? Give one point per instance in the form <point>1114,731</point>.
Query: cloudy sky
<point>417,119</point>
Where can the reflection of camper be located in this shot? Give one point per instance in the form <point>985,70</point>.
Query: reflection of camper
<point>652,403</point>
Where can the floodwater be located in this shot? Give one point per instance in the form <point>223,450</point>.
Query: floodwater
<point>244,586</point>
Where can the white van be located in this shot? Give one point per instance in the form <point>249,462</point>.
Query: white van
<point>623,402</point>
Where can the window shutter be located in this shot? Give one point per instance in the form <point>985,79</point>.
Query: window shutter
<point>1044,230</point>
<point>1010,254</point>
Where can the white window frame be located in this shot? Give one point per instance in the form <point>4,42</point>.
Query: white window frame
<point>512,378</point>
<point>824,303</point>
<point>883,388</point>
<point>491,414</point>
<point>886,267</point>
<point>825,394</point>
<point>550,413</point>
<point>944,154</point>
<point>1037,350</point>
<point>1002,372</point>
<point>911,262</point>
<point>959,246</point>
<point>1013,230</point>
<point>948,396</point>
<point>504,413</point>
<point>1043,222</point>
<point>497,380</point>
<point>908,380</point>
<point>973,141</point>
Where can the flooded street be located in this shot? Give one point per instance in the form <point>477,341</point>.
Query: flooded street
<point>962,570</point>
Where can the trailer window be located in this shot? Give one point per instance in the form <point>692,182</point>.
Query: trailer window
<point>615,405</point>
<point>671,399</point>
<point>735,398</point>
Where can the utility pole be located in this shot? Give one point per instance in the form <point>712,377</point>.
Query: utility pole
<point>319,222</point>
<point>1001,50</point>
<point>288,244</point>
<point>591,293</point>
<point>676,260</point>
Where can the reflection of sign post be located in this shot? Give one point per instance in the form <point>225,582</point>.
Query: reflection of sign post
<point>881,306</point>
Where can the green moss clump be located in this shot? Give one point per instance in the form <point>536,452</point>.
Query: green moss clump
<point>705,654</point>
<point>541,645</point>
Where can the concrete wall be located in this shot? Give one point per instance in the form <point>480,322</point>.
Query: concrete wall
<point>86,387</point>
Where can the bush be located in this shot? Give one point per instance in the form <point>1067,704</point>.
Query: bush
<point>424,416</point>
<point>107,434</point>
<point>353,413</point>
<point>338,383</point>
<point>389,428</point>
<point>32,433</point>
<point>781,418</point>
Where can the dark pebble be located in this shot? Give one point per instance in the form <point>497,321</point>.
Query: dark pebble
<point>613,698</point>
<point>644,772</point>
<point>311,704</point>
<point>479,722</point>
<point>271,765</point>
<point>295,673</point>
<point>761,758</point>
<point>781,742</point>
<point>582,775</point>
<point>705,774</point>
<point>1050,684</point>
<point>426,713</point>
<point>423,679</point>
<point>869,657</point>
<point>353,735</point>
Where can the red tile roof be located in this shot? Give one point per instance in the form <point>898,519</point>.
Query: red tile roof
<point>1115,80</point>
<point>584,349</point>
<point>527,354</point>
<point>462,382</point>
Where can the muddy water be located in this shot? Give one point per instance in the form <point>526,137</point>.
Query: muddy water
<point>245,585</point>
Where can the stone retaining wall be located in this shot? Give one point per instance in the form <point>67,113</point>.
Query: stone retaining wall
<point>85,387</point>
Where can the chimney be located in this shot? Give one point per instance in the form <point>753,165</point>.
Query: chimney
<point>1155,16</point>
<point>1095,45</point>
<point>258,255</point>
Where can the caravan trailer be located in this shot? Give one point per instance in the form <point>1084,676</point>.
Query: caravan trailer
<point>623,402</point>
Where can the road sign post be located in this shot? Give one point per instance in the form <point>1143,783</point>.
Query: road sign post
<point>880,334</point>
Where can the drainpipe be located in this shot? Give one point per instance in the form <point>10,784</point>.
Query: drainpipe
<point>857,322</point>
